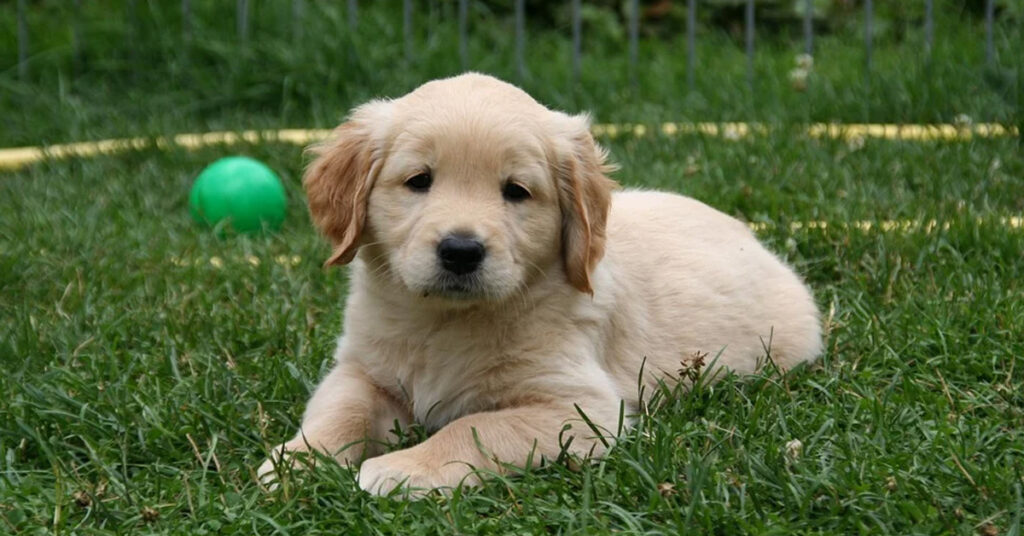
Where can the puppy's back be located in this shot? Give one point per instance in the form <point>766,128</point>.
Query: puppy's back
<point>702,284</point>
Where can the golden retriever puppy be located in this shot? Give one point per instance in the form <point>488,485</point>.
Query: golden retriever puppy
<point>499,288</point>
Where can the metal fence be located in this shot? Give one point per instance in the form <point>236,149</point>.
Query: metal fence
<point>242,13</point>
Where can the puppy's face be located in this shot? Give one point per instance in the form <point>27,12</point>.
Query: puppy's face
<point>465,189</point>
<point>465,206</point>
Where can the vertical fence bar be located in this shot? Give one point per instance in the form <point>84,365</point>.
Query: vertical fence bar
<point>990,15</point>
<point>242,7</point>
<point>22,42</point>
<point>76,36</point>
<point>186,20</point>
<point>353,15</point>
<point>691,43</point>
<point>298,17</point>
<point>577,40</point>
<point>407,27</point>
<point>186,35</point>
<point>432,12</point>
<point>463,44</point>
<point>929,30</point>
<point>869,15</point>
<point>298,14</point>
<point>809,27</point>
<point>750,44</point>
<point>132,23</point>
<point>634,30</point>
<point>520,39</point>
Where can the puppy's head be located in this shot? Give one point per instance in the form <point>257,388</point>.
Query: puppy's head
<point>466,189</point>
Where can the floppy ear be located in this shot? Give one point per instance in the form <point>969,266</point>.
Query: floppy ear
<point>585,198</point>
<point>339,180</point>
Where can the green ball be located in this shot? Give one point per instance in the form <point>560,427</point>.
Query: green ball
<point>240,194</point>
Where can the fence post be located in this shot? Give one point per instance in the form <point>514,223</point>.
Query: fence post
<point>298,11</point>
<point>353,15</point>
<point>76,37</point>
<point>242,7</point>
<point>133,36</point>
<point>463,22</point>
<point>520,39</point>
<point>634,30</point>
<point>22,42</point>
<point>691,42</point>
<point>929,30</point>
<point>869,15</point>
<point>990,49</point>
<point>809,27</point>
<point>407,28</point>
<point>577,40</point>
<point>750,44</point>
<point>186,20</point>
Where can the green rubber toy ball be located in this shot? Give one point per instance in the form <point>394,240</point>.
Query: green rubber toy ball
<point>240,194</point>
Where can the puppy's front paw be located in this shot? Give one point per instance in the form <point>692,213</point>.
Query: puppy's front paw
<point>267,472</point>
<point>412,474</point>
<point>280,462</point>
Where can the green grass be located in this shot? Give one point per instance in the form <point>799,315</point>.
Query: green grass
<point>142,382</point>
<point>124,345</point>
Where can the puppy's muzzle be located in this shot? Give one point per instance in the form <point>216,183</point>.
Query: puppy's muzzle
<point>461,254</point>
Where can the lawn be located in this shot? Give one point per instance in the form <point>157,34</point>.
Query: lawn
<point>148,365</point>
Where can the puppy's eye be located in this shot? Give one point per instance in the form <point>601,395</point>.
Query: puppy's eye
<point>420,182</point>
<point>514,192</point>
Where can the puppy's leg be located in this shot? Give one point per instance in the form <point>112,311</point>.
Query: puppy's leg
<point>513,436</point>
<point>347,417</point>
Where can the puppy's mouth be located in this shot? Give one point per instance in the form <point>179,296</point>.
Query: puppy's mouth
<point>456,287</point>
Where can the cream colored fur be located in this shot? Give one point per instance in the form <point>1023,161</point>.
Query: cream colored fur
<point>580,291</point>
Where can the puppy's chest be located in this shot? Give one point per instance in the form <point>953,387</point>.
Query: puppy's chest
<point>446,373</point>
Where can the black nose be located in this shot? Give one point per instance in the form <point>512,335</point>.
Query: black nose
<point>460,254</point>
